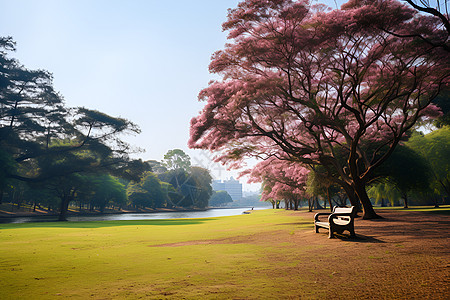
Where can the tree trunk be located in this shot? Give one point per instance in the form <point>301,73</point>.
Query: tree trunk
<point>310,204</point>
<point>64,208</point>
<point>316,203</point>
<point>296,202</point>
<point>329,199</point>
<point>368,211</point>
<point>405,200</point>
<point>352,197</point>
<point>445,186</point>
<point>436,204</point>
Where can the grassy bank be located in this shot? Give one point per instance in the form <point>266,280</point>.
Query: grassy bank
<point>263,255</point>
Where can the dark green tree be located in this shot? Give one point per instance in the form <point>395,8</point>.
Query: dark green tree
<point>202,190</point>
<point>42,140</point>
<point>7,166</point>
<point>108,190</point>
<point>148,192</point>
<point>435,149</point>
<point>180,180</point>
<point>156,166</point>
<point>193,187</point>
<point>406,171</point>
<point>152,185</point>
<point>41,197</point>
<point>31,112</point>
<point>66,188</point>
<point>220,198</point>
<point>171,194</point>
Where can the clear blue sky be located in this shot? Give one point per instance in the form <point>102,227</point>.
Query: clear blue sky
<point>142,60</point>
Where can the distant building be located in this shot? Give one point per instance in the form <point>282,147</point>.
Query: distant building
<point>231,186</point>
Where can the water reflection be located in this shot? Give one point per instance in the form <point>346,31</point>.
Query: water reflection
<point>210,213</point>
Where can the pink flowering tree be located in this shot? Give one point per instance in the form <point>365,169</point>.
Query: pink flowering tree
<point>331,91</point>
<point>435,9</point>
<point>282,179</point>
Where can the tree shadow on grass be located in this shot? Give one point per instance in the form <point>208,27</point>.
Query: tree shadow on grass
<point>439,212</point>
<point>101,224</point>
<point>413,225</point>
<point>359,238</point>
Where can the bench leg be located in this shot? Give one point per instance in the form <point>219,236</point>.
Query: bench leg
<point>331,234</point>
<point>331,231</point>
<point>316,228</point>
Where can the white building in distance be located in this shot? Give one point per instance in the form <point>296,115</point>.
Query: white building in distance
<point>232,186</point>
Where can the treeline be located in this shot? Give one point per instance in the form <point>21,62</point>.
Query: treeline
<point>53,156</point>
<point>186,187</point>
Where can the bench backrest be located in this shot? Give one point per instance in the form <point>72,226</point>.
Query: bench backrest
<point>337,209</point>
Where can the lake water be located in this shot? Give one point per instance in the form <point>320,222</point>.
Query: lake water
<point>210,213</point>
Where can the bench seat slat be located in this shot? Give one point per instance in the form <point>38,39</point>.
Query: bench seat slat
<point>323,224</point>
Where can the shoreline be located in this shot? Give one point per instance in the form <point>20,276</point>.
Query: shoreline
<point>25,213</point>
<point>43,213</point>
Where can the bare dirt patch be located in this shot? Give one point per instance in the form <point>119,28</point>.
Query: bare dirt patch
<point>403,256</point>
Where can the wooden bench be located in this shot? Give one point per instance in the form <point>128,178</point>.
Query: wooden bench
<point>342,218</point>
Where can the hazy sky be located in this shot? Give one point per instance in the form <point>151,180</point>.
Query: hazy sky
<point>142,60</point>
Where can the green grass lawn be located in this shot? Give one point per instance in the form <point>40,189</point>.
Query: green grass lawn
<point>268,254</point>
<point>119,259</point>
